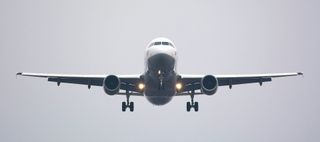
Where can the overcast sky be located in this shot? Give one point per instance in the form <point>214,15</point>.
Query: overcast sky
<point>110,37</point>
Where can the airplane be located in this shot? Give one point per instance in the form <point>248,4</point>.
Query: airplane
<point>160,81</point>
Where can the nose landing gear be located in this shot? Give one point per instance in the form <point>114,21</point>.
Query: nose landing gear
<point>161,77</point>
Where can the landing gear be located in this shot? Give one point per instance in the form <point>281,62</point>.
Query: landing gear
<point>196,106</point>
<point>127,104</point>
<point>188,106</point>
<point>131,106</point>
<point>192,104</point>
<point>161,77</point>
<point>124,106</point>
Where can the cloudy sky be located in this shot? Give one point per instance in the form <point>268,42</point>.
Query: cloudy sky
<point>110,37</point>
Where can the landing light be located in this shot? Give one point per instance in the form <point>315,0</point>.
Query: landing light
<point>178,86</point>
<point>141,86</point>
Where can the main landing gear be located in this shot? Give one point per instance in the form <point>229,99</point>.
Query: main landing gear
<point>127,104</point>
<point>192,104</point>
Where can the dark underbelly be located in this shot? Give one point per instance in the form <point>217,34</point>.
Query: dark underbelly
<point>160,79</point>
<point>157,93</point>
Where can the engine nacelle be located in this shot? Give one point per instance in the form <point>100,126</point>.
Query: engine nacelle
<point>111,84</point>
<point>209,85</point>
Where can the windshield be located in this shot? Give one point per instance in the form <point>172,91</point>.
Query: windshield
<point>161,43</point>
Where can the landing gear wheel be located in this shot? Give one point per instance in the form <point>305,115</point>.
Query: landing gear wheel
<point>131,106</point>
<point>124,106</point>
<point>196,106</point>
<point>188,106</point>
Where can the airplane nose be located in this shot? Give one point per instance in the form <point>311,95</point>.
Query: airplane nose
<point>167,50</point>
<point>162,62</point>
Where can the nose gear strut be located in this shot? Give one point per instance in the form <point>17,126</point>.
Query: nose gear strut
<point>161,77</point>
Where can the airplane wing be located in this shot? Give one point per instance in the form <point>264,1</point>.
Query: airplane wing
<point>191,82</point>
<point>128,82</point>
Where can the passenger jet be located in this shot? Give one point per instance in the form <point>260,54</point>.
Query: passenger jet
<point>160,81</point>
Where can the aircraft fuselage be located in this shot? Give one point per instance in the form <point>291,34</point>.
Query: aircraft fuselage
<point>160,75</point>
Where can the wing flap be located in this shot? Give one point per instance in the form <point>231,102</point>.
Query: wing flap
<point>237,81</point>
<point>82,81</point>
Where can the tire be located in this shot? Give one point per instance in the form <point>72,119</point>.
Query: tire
<point>131,106</point>
<point>124,106</point>
<point>196,106</point>
<point>188,106</point>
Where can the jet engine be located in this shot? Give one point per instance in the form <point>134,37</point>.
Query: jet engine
<point>111,84</point>
<point>209,84</point>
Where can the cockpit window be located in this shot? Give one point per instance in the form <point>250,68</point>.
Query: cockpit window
<point>165,43</point>
<point>157,43</point>
<point>161,43</point>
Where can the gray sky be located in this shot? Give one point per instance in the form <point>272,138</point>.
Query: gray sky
<point>109,37</point>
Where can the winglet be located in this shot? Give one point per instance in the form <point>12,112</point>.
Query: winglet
<point>301,73</point>
<point>18,73</point>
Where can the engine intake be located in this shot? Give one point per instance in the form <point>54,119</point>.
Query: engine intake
<point>209,84</point>
<point>111,84</point>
